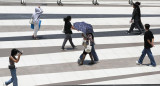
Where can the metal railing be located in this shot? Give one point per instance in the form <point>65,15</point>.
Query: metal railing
<point>23,2</point>
<point>130,2</point>
<point>59,2</point>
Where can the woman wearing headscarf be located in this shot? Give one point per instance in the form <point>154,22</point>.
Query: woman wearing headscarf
<point>136,19</point>
<point>36,21</point>
<point>67,30</point>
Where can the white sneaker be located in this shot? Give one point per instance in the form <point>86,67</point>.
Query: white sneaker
<point>138,63</point>
<point>151,66</point>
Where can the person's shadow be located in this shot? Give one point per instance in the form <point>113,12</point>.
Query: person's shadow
<point>85,62</point>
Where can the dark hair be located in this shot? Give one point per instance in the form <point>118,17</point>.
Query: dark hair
<point>14,52</point>
<point>147,26</point>
<point>67,19</point>
<point>92,35</point>
<point>138,3</point>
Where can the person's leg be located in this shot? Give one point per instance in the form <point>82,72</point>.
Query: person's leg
<point>11,80</point>
<point>142,56</point>
<point>36,28</point>
<point>131,28</point>
<point>92,61</point>
<point>15,78</point>
<point>84,55</point>
<point>70,40</point>
<point>141,25</point>
<point>65,40</point>
<point>138,26</point>
<point>149,53</point>
<point>81,56</point>
<point>94,54</point>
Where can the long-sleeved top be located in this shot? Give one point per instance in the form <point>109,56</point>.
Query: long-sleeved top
<point>136,15</point>
<point>37,14</point>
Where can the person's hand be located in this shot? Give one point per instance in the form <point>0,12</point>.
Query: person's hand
<point>19,54</point>
<point>131,21</point>
<point>152,44</point>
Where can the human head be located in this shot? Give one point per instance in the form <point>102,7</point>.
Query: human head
<point>138,3</point>
<point>14,52</point>
<point>37,10</point>
<point>147,26</point>
<point>67,19</point>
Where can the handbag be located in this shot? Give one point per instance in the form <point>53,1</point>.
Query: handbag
<point>84,43</point>
<point>88,48</point>
<point>11,67</point>
<point>31,21</point>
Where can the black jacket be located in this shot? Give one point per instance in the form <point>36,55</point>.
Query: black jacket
<point>136,15</point>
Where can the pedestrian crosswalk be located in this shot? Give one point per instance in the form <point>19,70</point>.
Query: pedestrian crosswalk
<point>43,63</point>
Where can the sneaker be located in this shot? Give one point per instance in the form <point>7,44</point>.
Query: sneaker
<point>4,84</point>
<point>151,65</point>
<point>138,63</point>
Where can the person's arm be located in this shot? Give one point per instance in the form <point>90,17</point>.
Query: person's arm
<point>133,15</point>
<point>16,60</point>
<point>84,38</point>
<point>151,43</point>
<point>73,28</point>
<point>41,11</point>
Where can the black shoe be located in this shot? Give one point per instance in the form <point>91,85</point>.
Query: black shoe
<point>128,32</point>
<point>62,48</point>
<point>74,47</point>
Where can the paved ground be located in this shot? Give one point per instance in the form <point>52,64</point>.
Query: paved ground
<point>45,64</point>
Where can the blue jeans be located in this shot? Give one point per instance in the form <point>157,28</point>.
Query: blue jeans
<point>13,79</point>
<point>149,53</point>
<point>94,54</point>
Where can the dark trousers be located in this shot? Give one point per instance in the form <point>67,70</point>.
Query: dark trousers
<point>149,53</point>
<point>138,25</point>
<point>67,37</point>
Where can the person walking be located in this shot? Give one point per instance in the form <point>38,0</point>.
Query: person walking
<point>148,43</point>
<point>89,41</point>
<point>68,32</point>
<point>136,19</point>
<point>93,52</point>
<point>12,61</point>
<point>36,21</point>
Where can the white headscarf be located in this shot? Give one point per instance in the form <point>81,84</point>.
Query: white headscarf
<point>36,15</point>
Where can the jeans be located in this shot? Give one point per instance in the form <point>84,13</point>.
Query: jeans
<point>68,37</point>
<point>94,54</point>
<point>149,53</point>
<point>13,79</point>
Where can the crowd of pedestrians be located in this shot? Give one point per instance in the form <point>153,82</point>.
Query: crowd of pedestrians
<point>88,40</point>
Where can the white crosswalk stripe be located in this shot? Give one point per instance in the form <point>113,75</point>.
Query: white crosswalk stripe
<point>129,47</point>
